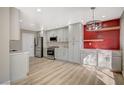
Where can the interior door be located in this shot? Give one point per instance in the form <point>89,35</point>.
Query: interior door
<point>28,43</point>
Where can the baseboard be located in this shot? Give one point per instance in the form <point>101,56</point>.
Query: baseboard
<point>6,83</point>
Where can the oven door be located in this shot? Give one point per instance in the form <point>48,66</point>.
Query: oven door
<point>50,52</point>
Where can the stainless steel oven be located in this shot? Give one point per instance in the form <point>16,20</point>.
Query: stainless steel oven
<point>51,53</point>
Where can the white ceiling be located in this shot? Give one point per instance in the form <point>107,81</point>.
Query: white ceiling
<point>52,17</point>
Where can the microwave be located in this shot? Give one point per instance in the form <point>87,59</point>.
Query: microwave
<point>53,38</point>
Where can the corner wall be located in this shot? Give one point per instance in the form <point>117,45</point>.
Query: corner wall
<point>122,40</point>
<point>4,45</point>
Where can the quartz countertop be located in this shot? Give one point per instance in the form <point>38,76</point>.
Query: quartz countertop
<point>18,52</point>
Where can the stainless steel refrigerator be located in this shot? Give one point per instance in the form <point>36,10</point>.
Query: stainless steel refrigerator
<point>38,51</point>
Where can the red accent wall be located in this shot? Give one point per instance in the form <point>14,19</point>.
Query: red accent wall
<point>111,38</point>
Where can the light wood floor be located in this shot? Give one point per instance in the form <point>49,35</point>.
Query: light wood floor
<point>54,72</point>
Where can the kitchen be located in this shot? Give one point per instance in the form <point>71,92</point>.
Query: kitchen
<point>66,41</point>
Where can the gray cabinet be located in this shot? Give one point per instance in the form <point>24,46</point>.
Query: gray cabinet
<point>61,53</point>
<point>104,58</point>
<point>109,59</point>
<point>89,57</point>
<point>14,24</point>
<point>74,42</point>
<point>70,35</point>
<point>76,52</point>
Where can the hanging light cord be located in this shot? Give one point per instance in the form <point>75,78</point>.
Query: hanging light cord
<point>93,8</point>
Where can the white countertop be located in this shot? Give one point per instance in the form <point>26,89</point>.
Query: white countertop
<point>18,52</point>
<point>114,52</point>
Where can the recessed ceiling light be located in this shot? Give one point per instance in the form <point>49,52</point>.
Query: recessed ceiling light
<point>38,10</point>
<point>42,28</point>
<point>20,20</point>
<point>32,24</point>
<point>103,16</point>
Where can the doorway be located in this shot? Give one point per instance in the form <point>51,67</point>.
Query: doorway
<point>28,43</point>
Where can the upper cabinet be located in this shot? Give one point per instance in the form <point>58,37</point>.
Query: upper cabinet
<point>60,33</point>
<point>75,32</point>
<point>14,24</point>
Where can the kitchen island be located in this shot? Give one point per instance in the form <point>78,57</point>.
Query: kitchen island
<point>19,65</point>
<point>110,59</point>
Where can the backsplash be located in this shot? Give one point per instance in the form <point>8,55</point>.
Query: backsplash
<point>15,45</point>
<point>107,39</point>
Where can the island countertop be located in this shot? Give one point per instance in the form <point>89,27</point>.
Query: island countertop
<point>18,52</point>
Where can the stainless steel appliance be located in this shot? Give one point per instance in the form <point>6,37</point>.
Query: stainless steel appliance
<point>53,39</point>
<point>51,53</point>
<point>38,51</point>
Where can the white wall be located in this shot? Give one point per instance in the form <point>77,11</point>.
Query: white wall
<point>4,45</point>
<point>122,40</point>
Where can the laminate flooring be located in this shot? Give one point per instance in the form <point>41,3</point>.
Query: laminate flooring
<point>54,72</point>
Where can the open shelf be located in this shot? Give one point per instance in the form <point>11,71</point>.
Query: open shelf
<point>107,29</point>
<point>93,40</point>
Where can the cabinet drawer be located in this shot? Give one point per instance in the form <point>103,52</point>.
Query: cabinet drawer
<point>116,64</point>
<point>116,53</point>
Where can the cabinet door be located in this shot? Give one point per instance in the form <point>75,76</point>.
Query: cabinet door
<point>70,33</point>
<point>66,54</point>
<point>14,24</point>
<point>116,64</point>
<point>48,37</point>
<point>56,53</point>
<point>104,58</point>
<point>45,52</point>
<point>65,34</point>
<point>59,53</point>
<point>89,57</point>
<point>70,55</point>
<point>59,36</point>
<point>50,33</point>
<point>76,52</point>
<point>77,32</point>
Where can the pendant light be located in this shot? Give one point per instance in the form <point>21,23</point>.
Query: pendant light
<point>93,25</point>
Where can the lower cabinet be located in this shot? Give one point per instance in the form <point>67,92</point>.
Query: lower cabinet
<point>61,53</point>
<point>71,54</point>
<point>116,64</point>
<point>109,59</point>
<point>89,57</point>
<point>19,65</point>
<point>74,52</point>
<point>45,52</point>
<point>104,58</point>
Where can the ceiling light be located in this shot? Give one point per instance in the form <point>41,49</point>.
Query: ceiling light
<point>42,28</point>
<point>103,16</point>
<point>38,10</point>
<point>93,25</point>
<point>32,24</point>
<point>20,20</point>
